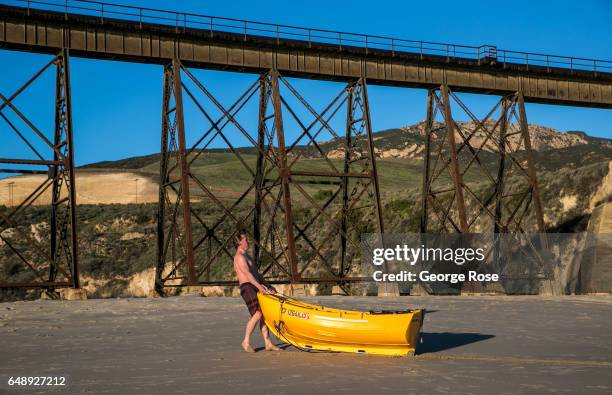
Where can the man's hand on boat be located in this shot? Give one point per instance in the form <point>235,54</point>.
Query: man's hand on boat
<point>268,290</point>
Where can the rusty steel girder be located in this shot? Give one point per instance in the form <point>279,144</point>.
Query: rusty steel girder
<point>53,261</point>
<point>196,233</point>
<point>454,166</point>
<point>480,176</point>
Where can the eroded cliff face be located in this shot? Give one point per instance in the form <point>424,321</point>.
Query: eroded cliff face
<point>569,195</point>
<point>604,192</point>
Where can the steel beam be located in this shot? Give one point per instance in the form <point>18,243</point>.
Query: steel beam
<point>501,173</point>
<point>185,173</point>
<point>452,148</point>
<point>260,168</point>
<point>429,119</point>
<point>372,153</point>
<point>348,141</point>
<point>285,175</point>
<point>163,179</point>
<point>55,174</point>
<point>533,180</point>
<point>70,170</point>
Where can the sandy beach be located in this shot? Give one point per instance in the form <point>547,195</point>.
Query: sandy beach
<point>191,345</point>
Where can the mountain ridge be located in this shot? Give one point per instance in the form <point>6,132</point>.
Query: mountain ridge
<point>409,142</point>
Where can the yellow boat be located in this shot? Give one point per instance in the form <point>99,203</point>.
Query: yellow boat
<point>313,327</point>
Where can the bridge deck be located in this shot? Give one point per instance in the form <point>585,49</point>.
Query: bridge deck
<point>43,31</point>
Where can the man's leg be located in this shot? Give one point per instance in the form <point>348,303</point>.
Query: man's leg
<point>250,327</point>
<point>266,335</point>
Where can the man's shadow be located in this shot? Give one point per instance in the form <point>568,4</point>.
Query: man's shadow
<point>434,342</point>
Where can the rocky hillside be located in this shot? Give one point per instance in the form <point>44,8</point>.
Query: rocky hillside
<point>409,141</point>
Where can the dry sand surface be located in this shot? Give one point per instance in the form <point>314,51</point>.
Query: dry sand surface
<point>190,345</point>
<point>91,187</point>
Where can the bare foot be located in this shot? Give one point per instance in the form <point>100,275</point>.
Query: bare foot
<point>272,347</point>
<point>247,347</point>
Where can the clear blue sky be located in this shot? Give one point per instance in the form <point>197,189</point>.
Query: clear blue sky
<point>117,105</point>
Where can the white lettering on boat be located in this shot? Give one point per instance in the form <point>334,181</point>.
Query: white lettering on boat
<point>297,314</point>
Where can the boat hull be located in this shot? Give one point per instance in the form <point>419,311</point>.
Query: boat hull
<point>321,328</point>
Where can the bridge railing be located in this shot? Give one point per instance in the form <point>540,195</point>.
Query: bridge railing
<point>183,20</point>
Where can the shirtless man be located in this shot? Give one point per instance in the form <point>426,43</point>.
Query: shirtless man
<point>250,283</point>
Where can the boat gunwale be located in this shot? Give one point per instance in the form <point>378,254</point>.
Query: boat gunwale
<point>294,302</point>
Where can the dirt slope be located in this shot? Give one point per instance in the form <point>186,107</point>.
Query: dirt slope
<point>92,188</point>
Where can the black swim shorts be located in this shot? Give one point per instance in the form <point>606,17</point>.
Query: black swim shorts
<point>249,293</point>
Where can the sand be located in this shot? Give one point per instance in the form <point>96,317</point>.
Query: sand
<point>190,345</point>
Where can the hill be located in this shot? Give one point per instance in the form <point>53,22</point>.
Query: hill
<point>399,152</point>
<point>554,149</point>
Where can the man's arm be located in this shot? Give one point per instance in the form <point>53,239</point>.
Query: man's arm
<point>243,267</point>
<point>259,277</point>
<point>265,283</point>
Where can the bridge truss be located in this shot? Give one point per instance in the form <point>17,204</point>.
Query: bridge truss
<point>196,245</point>
<point>49,259</point>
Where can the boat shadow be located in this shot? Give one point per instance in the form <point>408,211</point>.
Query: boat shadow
<point>283,346</point>
<point>441,341</point>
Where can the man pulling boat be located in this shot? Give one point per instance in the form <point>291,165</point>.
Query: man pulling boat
<point>251,282</point>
